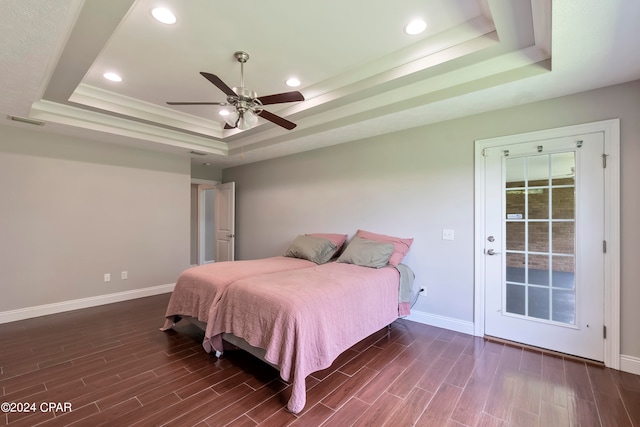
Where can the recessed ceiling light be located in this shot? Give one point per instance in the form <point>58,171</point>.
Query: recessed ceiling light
<point>164,15</point>
<point>112,76</point>
<point>415,27</point>
<point>293,82</point>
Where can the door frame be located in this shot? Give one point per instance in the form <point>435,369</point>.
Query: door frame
<point>611,130</point>
<point>202,184</point>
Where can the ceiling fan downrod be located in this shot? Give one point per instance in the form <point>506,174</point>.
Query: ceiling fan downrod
<point>242,57</point>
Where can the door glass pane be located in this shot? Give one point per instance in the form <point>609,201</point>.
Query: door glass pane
<point>538,236</point>
<point>563,272</point>
<point>538,302</point>
<point>564,238</point>
<point>538,171</point>
<point>515,204</point>
<point>516,299</point>
<point>515,236</point>
<point>515,268</point>
<point>540,245</point>
<point>515,172</point>
<point>563,303</point>
<point>539,269</point>
<point>563,169</point>
<point>564,203</point>
<point>538,199</point>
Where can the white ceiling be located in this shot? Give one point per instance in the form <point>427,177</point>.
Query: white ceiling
<point>361,74</point>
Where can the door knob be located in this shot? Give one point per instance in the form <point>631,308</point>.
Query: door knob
<point>491,252</point>
<point>230,235</point>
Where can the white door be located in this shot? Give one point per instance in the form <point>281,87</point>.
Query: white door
<point>544,254</point>
<point>225,221</point>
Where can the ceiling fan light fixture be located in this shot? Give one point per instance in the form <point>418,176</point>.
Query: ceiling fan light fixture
<point>250,118</point>
<point>247,120</point>
<point>163,15</point>
<point>230,117</point>
<point>415,27</point>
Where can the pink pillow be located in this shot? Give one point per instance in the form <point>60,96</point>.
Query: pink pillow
<point>400,246</point>
<point>336,239</point>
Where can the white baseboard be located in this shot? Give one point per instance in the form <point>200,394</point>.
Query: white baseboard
<point>441,321</point>
<point>630,364</point>
<point>59,307</point>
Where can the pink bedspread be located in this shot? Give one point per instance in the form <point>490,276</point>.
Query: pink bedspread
<point>199,288</point>
<point>304,319</point>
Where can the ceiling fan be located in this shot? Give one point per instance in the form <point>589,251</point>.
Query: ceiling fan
<point>247,105</point>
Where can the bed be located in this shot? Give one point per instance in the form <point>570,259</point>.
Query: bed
<point>299,320</point>
<point>304,319</point>
<point>198,289</point>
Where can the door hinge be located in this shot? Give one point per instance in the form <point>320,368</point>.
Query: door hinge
<point>604,331</point>
<point>604,160</point>
<point>484,152</point>
<point>604,246</point>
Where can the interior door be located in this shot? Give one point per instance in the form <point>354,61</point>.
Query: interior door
<point>225,221</point>
<point>544,260</point>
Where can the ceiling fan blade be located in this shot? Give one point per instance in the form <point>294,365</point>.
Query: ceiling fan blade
<point>196,103</point>
<point>277,120</point>
<point>228,126</point>
<point>279,98</point>
<point>219,83</point>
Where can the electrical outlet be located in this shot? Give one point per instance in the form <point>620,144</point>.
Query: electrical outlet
<point>107,277</point>
<point>423,292</point>
<point>124,275</point>
<point>447,234</point>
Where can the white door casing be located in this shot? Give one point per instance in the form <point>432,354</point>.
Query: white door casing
<point>486,314</point>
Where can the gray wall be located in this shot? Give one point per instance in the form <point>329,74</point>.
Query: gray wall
<point>72,210</point>
<point>199,171</point>
<point>415,183</point>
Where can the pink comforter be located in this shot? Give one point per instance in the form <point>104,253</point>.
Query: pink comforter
<point>304,319</point>
<point>198,289</point>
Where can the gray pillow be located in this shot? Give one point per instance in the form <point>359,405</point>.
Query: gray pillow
<point>311,248</point>
<point>367,253</point>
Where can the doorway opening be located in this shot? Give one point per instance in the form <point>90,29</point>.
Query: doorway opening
<point>203,201</point>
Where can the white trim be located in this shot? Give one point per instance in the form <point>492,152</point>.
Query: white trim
<point>611,130</point>
<point>630,364</point>
<point>60,307</point>
<point>450,323</point>
<point>93,120</point>
<point>204,181</point>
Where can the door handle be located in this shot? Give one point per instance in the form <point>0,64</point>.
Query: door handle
<point>231,235</point>
<point>491,252</point>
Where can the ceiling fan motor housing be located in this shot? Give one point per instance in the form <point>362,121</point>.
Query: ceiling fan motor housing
<point>245,94</point>
<point>246,100</point>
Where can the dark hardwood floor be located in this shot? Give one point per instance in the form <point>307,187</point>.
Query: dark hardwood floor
<point>113,366</point>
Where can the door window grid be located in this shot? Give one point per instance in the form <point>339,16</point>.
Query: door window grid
<point>548,291</point>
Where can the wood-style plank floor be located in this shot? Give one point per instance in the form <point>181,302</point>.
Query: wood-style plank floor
<point>113,366</point>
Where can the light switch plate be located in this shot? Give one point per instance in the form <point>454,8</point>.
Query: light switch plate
<point>447,234</point>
